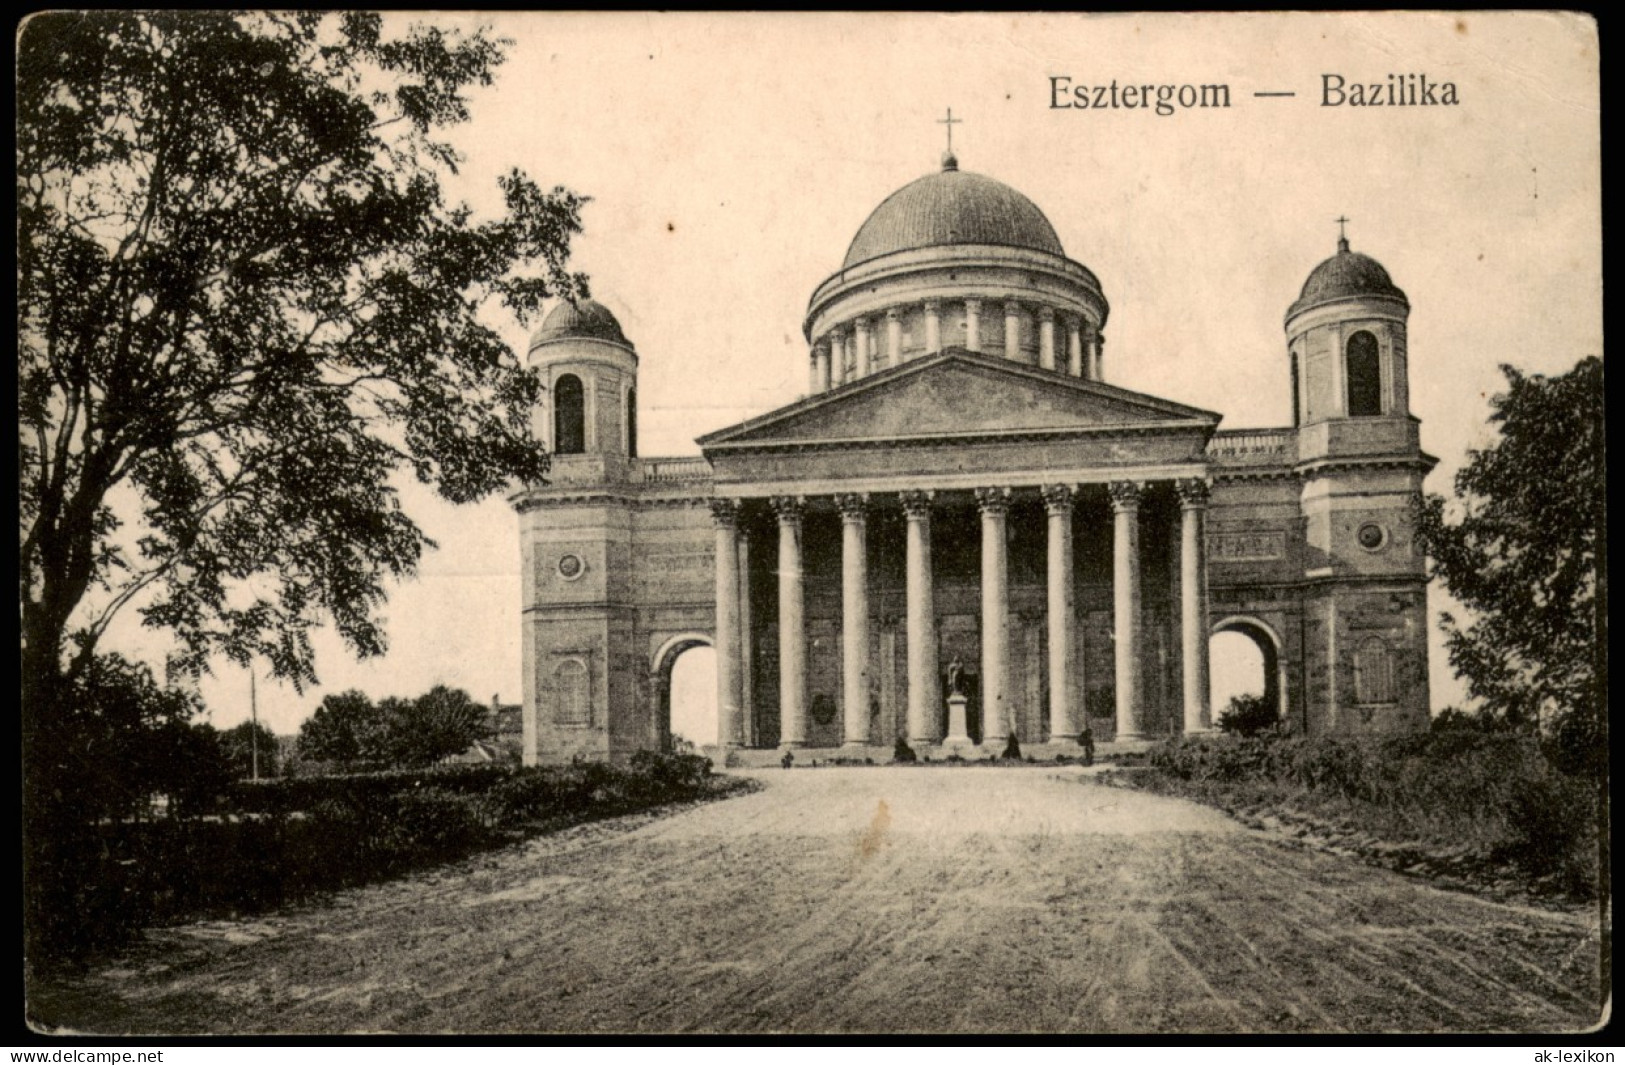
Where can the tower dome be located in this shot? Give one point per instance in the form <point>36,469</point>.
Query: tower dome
<point>952,207</point>
<point>585,320</point>
<point>1346,275</point>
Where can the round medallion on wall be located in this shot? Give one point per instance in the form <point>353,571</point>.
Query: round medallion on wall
<point>571,567</point>
<point>1372,536</point>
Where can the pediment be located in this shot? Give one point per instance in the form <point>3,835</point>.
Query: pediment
<point>958,395</point>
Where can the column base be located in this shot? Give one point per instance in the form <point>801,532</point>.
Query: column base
<point>857,743</point>
<point>1132,737</point>
<point>1208,730</point>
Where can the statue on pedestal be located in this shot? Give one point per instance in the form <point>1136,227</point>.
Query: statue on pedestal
<point>956,672</point>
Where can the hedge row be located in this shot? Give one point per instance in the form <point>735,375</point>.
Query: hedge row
<point>284,841</point>
<point>1493,791</point>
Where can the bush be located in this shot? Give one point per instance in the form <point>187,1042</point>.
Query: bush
<point>1488,788</point>
<point>1248,715</point>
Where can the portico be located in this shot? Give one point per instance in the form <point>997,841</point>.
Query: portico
<point>974,518</point>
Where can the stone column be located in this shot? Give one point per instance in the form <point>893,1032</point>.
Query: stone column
<point>1097,356</point>
<point>996,695</point>
<point>812,373</point>
<point>855,618</point>
<point>792,634</point>
<point>1012,330</point>
<point>747,691</point>
<point>894,337</point>
<point>837,358</point>
<point>1193,606</point>
<point>1074,346</point>
<point>922,623</point>
<point>1126,605</point>
<point>973,325</point>
<point>824,365</point>
<point>860,334</point>
<point>725,512</point>
<point>933,327</point>
<point>1063,643</point>
<point>1046,337</point>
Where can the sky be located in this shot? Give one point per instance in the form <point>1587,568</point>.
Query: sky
<point>731,158</point>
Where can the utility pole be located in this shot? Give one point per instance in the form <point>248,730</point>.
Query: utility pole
<point>254,728</point>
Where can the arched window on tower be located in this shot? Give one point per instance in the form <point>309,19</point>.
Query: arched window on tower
<point>569,416</point>
<point>632,423</point>
<point>1364,376</point>
<point>1296,413</point>
<point>1373,672</point>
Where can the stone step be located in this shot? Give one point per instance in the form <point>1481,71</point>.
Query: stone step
<point>769,757</point>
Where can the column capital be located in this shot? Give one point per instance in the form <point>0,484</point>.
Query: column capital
<point>931,306</point>
<point>1193,492</point>
<point>973,305</point>
<point>854,506</point>
<point>993,500</point>
<point>894,314</point>
<point>725,512</point>
<point>1126,495</point>
<point>789,509</point>
<point>1012,307</point>
<point>1046,313</point>
<point>888,622</point>
<point>1058,498</point>
<point>917,504</point>
<point>1100,340</point>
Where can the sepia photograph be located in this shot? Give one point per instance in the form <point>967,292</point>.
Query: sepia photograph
<point>547,524</point>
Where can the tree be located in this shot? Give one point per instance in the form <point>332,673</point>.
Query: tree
<point>440,723</point>
<point>1523,547</point>
<point>345,728</point>
<point>120,740</point>
<point>245,310</point>
<point>247,745</point>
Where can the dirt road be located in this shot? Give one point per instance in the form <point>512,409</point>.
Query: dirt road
<point>887,899</point>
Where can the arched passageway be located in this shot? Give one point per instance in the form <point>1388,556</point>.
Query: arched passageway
<point>686,676</point>
<point>1245,659</point>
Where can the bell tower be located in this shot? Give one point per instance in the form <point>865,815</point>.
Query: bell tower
<point>580,657</point>
<point>1360,464</point>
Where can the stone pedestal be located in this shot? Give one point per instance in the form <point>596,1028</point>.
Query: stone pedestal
<point>958,741</point>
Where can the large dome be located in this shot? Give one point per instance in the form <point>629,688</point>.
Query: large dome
<point>952,207</point>
<point>587,320</point>
<point>1346,274</point>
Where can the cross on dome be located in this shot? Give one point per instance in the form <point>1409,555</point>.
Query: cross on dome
<point>1342,234</point>
<point>949,160</point>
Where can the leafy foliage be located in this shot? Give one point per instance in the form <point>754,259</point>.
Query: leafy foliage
<point>1491,790</point>
<point>1523,547</point>
<point>440,723</point>
<point>345,728</point>
<point>244,308</point>
<point>1247,715</point>
<point>349,729</point>
<point>121,741</point>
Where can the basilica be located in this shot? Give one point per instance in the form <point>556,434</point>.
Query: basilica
<point>964,532</point>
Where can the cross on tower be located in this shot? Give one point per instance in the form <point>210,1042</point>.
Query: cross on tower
<point>1342,234</point>
<point>950,122</point>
